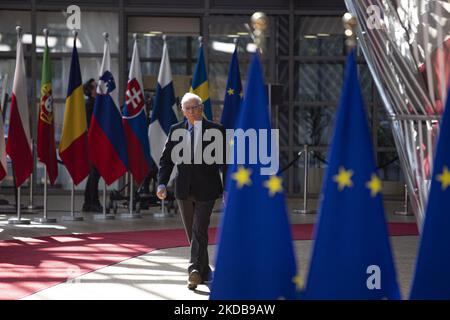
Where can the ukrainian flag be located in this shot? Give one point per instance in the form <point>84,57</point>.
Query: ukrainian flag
<point>73,147</point>
<point>200,84</point>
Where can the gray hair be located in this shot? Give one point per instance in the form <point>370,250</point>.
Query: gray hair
<point>188,96</point>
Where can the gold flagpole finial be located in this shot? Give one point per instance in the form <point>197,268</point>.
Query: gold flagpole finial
<point>259,23</point>
<point>349,22</point>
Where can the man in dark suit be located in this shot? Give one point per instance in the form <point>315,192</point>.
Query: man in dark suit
<point>197,184</point>
<point>91,200</point>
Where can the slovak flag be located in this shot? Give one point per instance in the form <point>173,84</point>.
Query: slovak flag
<point>135,122</point>
<point>163,115</point>
<point>18,145</point>
<point>107,144</point>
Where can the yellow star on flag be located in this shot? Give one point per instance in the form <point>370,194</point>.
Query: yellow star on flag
<point>242,177</point>
<point>343,178</point>
<point>274,184</point>
<point>374,185</point>
<point>298,282</point>
<point>444,178</point>
<point>230,91</point>
<point>241,94</point>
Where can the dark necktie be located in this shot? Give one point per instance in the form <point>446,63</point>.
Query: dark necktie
<point>191,131</point>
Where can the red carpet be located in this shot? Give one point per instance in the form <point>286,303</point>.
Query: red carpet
<point>29,265</point>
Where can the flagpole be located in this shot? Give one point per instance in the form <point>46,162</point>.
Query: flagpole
<point>31,207</point>
<point>19,219</point>
<point>131,214</point>
<point>163,213</point>
<point>104,215</point>
<point>72,216</point>
<point>129,180</point>
<point>45,219</point>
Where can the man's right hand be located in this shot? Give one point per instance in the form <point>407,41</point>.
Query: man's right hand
<point>162,192</point>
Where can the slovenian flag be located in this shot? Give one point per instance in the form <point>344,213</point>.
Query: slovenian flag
<point>107,144</point>
<point>163,115</point>
<point>135,122</point>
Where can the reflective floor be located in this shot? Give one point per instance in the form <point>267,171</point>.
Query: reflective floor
<point>161,274</point>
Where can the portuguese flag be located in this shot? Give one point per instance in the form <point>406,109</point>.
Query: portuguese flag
<point>46,148</point>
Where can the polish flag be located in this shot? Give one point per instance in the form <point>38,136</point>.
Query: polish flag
<point>3,169</point>
<point>18,146</point>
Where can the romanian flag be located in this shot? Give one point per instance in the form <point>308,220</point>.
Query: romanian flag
<point>200,84</point>
<point>73,148</point>
<point>18,146</point>
<point>46,148</point>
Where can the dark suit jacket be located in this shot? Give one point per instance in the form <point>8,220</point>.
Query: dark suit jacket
<point>202,181</point>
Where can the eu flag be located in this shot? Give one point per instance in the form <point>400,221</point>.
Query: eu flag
<point>432,275</point>
<point>351,256</point>
<point>233,94</point>
<point>255,257</point>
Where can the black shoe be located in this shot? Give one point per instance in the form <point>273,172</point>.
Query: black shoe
<point>194,279</point>
<point>97,208</point>
<point>92,208</point>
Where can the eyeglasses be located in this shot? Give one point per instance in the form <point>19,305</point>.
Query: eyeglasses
<point>193,108</point>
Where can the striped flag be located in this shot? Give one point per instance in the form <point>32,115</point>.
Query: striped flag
<point>46,149</point>
<point>73,147</point>
<point>200,83</point>
<point>18,146</point>
<point>107,145</point>
<point>3,168</point>
<point>163,115</point>
<point>135,122</point>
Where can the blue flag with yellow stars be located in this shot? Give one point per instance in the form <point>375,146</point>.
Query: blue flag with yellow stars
<point>432,274</point>
<point>351,257</point>
<point>233,94</point>
<point>255,256</point>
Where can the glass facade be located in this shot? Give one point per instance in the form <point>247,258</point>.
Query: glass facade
<point>304,56</point>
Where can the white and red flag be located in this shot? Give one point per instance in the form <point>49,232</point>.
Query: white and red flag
<point>18,145</point>
<point>3,168</point>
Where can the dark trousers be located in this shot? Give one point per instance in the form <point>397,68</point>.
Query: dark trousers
<point>196,216</point>
<point>91,191</point>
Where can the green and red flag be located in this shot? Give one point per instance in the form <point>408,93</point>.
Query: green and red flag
<point>46,148</point>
